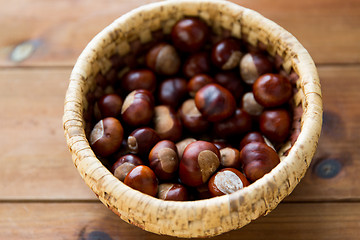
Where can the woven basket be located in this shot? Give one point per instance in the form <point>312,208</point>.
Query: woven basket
<point>202,218</point>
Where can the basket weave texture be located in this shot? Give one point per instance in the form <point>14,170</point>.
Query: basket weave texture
<point>202,218</point>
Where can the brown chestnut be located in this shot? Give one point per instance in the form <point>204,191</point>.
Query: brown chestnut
<point>237,124</point>
<point>226,181</point>
<point>189,34</point>
<point>251,137</point>
<point>275,124</point>
<point>143,179</point>
<point>197,82</point>
<point>163,59</point>
<point>258,159</point>
<point>215,102</point>
<point>166,123</point>
<point>226,54</point>
<point>109,105</point>
<point>231,81</point>
<point>250,105</point>
<point>197,63</point>
<point>191,118</point>
<point>106,136</point>
<point>124,165</point>
<point>180,146</point>
<point>163,160</point>
<point>199,161</point>
<point>272,90</point>
<point>253,65</point>
<point>230,157</point>
<point>173,192</point>
<point>141,140</point>
<point>139,79</point>
<point>220,143</point>
<point>138,108</point>
<point>172,91</point>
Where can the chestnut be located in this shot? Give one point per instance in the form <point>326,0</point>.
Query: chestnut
<point>275,124</point>
<point>109,105</point>
<point>141,140</point>
<point>189,34</point>
<point>226,54</point>
<point>139,79</point>
<point>138,108</point>
<point>173,192</point>
<point>191,118</point>
<point>257,159</point>
<point>163,59</point>
<point>251,137</point>
<point>220,143</point>
<point>106,136</point>
<point>166,123</point>
<point>199,161</point>
<point>272,90</point>
<point>172,91</point>
<point>202,191</point>
<point>226,181</point>
<point>124,165</point>
<point>253,65</point>
<point>230,157</point>
<point>163,160</point>
<point>180,146</point>
<point>250,105</point>
<point>231,81</point>
<point>197,63</point>
<point>215,102</point>
<point>239,123</point>
<point>197,82</point>
<point>143,179</point>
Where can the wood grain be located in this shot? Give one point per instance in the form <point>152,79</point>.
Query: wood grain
<point>90,221</point>
<point>54,34</point>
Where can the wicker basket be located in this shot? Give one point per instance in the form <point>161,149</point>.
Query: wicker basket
<point>202,218</point>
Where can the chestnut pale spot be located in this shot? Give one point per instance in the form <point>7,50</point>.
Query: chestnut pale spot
<point>167,61</point>
<point>226,155</point>
<point>97,132</point>
<point>189,108</point>
<point>250,105</point>
<point>121,171</point>
<point>128,101</point>
<point>163,120</point>
<point>168,159</point>
<point>208,163</point>
<point>248,69</point>
<point>164,189</point>
<point>132,143</point>
<point>233,60</point>
<point>228,182</point>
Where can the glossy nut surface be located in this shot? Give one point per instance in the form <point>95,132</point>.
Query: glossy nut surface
<point>215,102</point>
<point>197,63</point>
<point>197,82</point>
<point>106,136</point>
<point>191,118</point>
<point>226,54</point>
<point>138,108</point>
<point>164,160</point>
<point>167,124</point>
<point>275,124</point>
<point>251,137</point>
<point>143,179</point>
<point>231,81</point>
<point>189,34</point>
<point>173,192</point>
<point>109,105</point>
<point>237,124</point>
<point>253,65</point>
<point>226,181</point>
<point>258,159</point>
<point>163,59</point>
<point>271,90</point>
<point>172,91</point>
<point>230,157</point>
<point>124,165</point>
<point>141,140</point>
<point>199,161</point>
<point>139,79</point>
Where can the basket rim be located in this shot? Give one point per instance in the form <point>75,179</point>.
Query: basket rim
<point>303,148</point>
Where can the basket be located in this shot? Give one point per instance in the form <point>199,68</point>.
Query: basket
<point>201,218</point>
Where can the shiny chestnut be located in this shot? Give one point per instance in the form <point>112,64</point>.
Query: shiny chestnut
<point>166,123</point>
<point>141,140</point>
<point>251,137</point>
<point>138,108</point>
<point>272,90</point>
<point>106,136</point>
<point>215,102</point>
<point>124,165</point>
<point>173,192</point>
<point>164,160</point>
<point>191,118</point>
<point>258,159</point>
<point>109,105</point>
<point>197,63</point>
<point>197,82</point>
<point>139,79</point>
<point>230,157</point>
<point>143,179</point>
<point>199,161</point>
<point>226,181</point>
<point>172,92</point>
<point>231,81</point>
<point>163,59</point>
<point>253,65</point>
<point>275,124</point>
<point>226,54</point>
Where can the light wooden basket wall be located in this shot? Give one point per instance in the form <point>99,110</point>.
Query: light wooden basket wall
<point>204,217</point>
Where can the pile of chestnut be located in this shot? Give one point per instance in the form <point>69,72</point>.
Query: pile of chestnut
<point>200,116</point>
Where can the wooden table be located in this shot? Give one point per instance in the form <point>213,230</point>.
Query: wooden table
<point>43,197</point>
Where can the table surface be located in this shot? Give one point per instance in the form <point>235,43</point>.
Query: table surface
<point>42,196</point>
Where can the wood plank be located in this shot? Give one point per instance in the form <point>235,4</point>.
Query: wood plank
<point>90,221</point>
<point>54,34</point>
<point>39,166</point>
